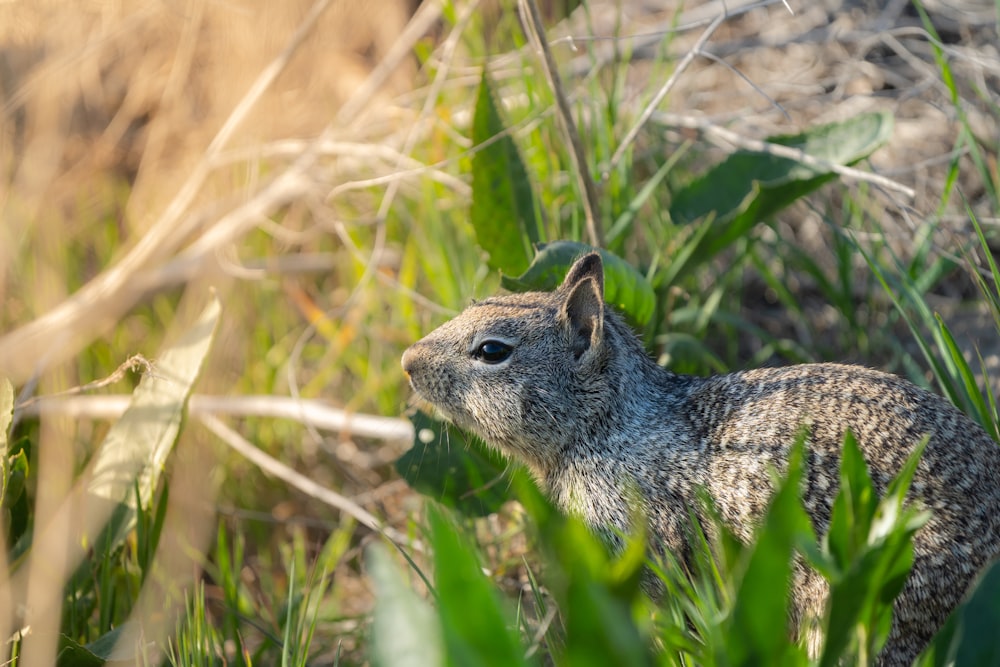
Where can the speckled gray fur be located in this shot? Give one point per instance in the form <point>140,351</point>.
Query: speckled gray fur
<point>595,419</point>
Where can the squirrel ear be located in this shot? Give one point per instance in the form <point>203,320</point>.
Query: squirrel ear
<point>588,266</point>
<point>583,313</point>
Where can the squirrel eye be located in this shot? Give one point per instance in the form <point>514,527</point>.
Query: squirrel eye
<point>493,351</point>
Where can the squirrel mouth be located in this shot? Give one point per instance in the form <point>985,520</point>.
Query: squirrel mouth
<point>432,409</point>
<point>420,403</point>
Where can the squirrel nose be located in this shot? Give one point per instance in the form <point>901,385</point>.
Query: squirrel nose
<point>407,361</point>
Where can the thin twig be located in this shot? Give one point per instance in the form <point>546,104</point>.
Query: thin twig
<point>276,468</point>
<point>62,331</point>
<point>611,46</point>
<point>413,135</point>
<point>760,91</point>
<point>306,411</point>
<point>543,628</point>
<point>371,266</point>
<point>425,17</point>
<point>662,92</point>
<point>286,187</point>
<point>535,31</point>
<point>689,19</point>
<point>134,363</point>
<point>362,151</point>
<point>714,132</point>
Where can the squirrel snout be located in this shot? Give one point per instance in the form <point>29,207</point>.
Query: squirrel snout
<point>408,361</point>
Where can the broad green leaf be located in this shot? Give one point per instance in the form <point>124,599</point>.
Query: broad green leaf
<point>16,508</point>
<point>853,508</point>
<point>6,412</point>
<point>722,557</point>
<point>576,550</point>
<point>941,651</point>
<point>749,187</point>
<point>970,636</point>
<point>624,288</point>
<point>456,470</point>
<point>477,631</point>
<point>625,571</point>
<point>600,629</point>
<point>17,475</point>
<point>6,415</point>
<point>136,447</point>
<point>861,598</point>
<point>598,592</point>
<point>601,593</point>
<point>98,652</point>
<point>104,646</point>
<point>897,488</point>
<point>556,10</point>
<point>405,631</point>
<point>756,632</point>
<point>871,548</point>
<point>72,654</point>
<point>503,210</point>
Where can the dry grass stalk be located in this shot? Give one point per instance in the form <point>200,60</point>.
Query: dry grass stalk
<point>317,414</point>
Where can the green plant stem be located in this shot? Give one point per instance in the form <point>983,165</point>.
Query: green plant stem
<point>535,32</point>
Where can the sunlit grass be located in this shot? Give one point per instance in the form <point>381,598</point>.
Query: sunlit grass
<point>326,279</point>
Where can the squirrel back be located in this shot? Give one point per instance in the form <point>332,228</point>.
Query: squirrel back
<point>559,382</point>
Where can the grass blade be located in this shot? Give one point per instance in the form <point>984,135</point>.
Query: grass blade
<point>405,632</point>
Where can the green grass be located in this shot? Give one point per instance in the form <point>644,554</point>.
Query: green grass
<point>217,562</point>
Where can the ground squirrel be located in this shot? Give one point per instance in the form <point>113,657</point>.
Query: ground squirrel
<point>558,381</point>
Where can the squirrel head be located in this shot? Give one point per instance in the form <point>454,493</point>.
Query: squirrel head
<point>522,371</point>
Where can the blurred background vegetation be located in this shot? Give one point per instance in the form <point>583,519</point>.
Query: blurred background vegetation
<point>309,166</point>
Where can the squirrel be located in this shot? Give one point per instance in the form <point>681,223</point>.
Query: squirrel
<point>558,381</point>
